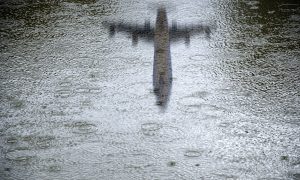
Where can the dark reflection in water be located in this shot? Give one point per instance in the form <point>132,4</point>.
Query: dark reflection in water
<point>162,35</point>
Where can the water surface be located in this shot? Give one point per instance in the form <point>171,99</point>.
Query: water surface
<point>78,104</point>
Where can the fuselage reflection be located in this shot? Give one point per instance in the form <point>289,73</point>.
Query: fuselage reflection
<point>162,68</point>
<point>161,35</point>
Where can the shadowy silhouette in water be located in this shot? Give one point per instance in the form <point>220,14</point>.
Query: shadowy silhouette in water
<point>162,35</point>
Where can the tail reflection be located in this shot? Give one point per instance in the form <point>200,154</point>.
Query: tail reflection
<point>162,35</point>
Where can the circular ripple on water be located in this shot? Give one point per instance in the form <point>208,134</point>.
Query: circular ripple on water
<point>63,93</point>
<point>128,161</point>
<point>82,90</point>
<point>82,62</point>
<point>51,165</point>
<point>66,84</point>
<point>137,89</point>
<point>87,90</point>
<point>159,133</point>
<point>190,104</point>
<point>147,64</point>
<point>192,153</point>
<point>23,126</point>
<point>193,105</point>
<point>121,63</point>
<point>194,68</point>
<point>82,127</point>
<point>150,129</point>
<point>127,60</point>
<point>20,155</point>
<point>198,57</point>
<point>44,142</point>
<point>12,140</point>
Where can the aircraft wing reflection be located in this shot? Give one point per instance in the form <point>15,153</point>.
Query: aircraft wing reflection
<point>161,35</point>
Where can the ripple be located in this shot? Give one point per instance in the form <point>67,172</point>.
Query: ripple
<point>54,168</point>
<point>194,68</point>
<point>137,89</point>
<point>198,57</point>
<point>44,142</point>
<point>82,127</point>
<point>224,124</point>
<point>127,60</point>
<point>95,90</point>
<point>190,100</point>
<point>82,62</point>
<point>140,160</point>
<point>82,90</point>
<point>63,93</point>
<point>19,127</point>
<point>18,104</point>
<point>129,161</point>
<point>158,133</point>
<point>194,105</point>
<point>87,90</point>
<point>65,84</point>
<point>21,155</point>
<point>192,153</point>
<point>227,176</point>
<point>150,129</point>
<point>121,63</point>
<point>146,64</point>
<point>200,94</point>
<point>12,140</point>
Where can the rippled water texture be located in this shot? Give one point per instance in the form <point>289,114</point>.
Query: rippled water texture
<point>78,104</point>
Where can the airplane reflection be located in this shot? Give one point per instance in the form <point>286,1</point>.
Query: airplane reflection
<point>162,35</point>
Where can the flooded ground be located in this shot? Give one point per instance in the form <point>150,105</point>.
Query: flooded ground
<point>79,104</point>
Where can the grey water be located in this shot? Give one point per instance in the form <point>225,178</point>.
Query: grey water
<point>77,103</point>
